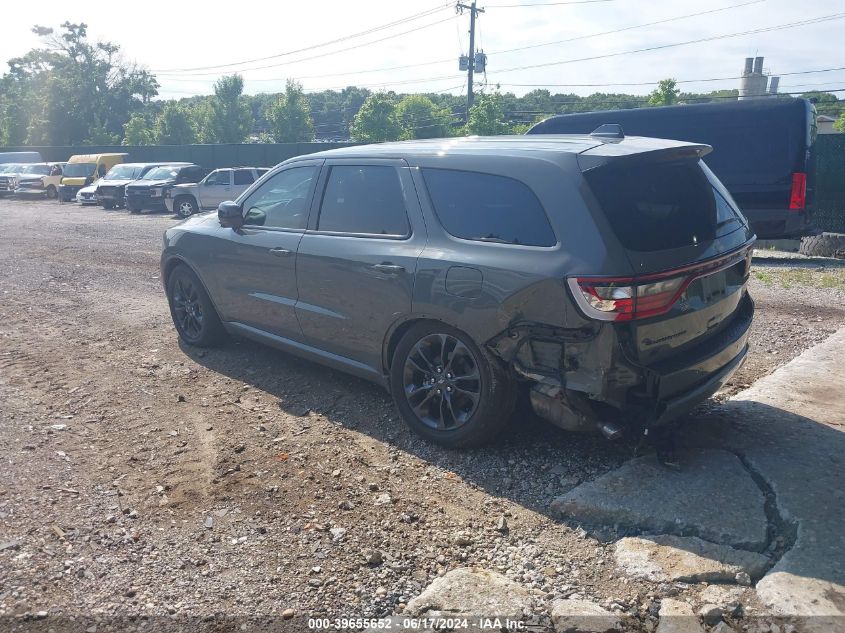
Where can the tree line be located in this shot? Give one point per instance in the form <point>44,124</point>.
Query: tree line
<point>72,91</point>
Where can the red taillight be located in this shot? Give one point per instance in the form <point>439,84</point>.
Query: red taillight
<point>798,198</point>
<point>620,300</point>
<point>630,298</point>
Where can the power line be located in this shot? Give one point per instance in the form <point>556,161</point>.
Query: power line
<point>375,29</point>
<point>329,53</point>
<point>628,28</point>
<point>778,27</point>
<point>653,83</point>
<point>544,4</point>
<point>450,59</point>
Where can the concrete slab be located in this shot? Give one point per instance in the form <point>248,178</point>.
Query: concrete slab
<point>790,429</point>
<point>713,497</point>
<point>685,559</point>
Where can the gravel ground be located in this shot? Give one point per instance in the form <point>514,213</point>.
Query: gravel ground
<point>142,478</point>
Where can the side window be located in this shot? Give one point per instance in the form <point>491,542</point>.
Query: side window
<point>365,199</point>
<point>244,177</point>
<point>282,201</point>
<point>219,178</point>
<point>55,170</point>
<point>488,208</point>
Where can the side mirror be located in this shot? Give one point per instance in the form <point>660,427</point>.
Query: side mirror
<point>230,215</point>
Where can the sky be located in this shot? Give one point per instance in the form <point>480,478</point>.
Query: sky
<point>185,43</point>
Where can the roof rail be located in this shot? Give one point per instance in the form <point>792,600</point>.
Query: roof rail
<point>608,130</point>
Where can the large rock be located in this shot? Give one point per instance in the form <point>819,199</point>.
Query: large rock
<point>713,496</point>
<point>677,617</point>
<point>471,592</point>
<point>582,616</point>
<point>685,559</point>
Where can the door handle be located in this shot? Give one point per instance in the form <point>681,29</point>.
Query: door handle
<point>281,252</point>
<point>392,269</point>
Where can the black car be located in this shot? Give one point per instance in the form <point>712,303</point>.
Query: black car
<point>149,192</point>
<point>761,151</point>
<point>605,276</point>
<point>111,190</point>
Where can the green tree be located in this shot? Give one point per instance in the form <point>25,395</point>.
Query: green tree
<point>486,116</point>
<point>73,90</point>
<point>666,93</point>
<point>174,126</point>
<point>376,121</point>
<point>138,131</point>
<point>229,118</point>
<point>839,124</point>
<point>419,117</point>
<point>290,117</point>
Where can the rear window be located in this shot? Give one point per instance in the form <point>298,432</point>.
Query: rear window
<point>488,208</point>
<point>658,206</point>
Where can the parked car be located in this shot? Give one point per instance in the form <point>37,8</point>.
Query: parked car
<point>762,151</point>
<point>150,191</point>
<point>40,179</point>
<point>219,185</point>
<point>84,169</point>
<point>111,190</point>
<point>87,196</point>
<point>20,157</point>
<point>607,276</point>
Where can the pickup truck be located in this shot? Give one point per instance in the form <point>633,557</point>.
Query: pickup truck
<point>40,179</point>
<point>150,191</point>
<point>220,185</point>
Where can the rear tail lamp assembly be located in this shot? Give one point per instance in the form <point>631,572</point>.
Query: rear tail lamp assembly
<point>798,197</point>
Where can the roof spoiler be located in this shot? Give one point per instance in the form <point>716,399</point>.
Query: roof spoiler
<point>608,130</point>
<point>640,149</point>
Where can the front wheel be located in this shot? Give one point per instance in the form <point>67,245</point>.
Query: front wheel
<point>193,313</point>
<point>108,206</point>
<point>51,192</point>
<point>185,207</point>
<point>448,389</point>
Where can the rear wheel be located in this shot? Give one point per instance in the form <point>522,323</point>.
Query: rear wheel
<point>193,313</point>
<point>108,206</point>
<point>132,208</point>
<point>448,389</point>
<point>185,206</point>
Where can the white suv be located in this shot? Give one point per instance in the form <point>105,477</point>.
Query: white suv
<point>220,185</point>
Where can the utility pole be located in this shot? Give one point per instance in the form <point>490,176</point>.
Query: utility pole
<point>470,66</point>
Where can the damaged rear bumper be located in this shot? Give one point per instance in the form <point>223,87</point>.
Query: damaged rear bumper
<point>582,380</point>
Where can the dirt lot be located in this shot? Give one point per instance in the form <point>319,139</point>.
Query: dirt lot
<point>142,478</point>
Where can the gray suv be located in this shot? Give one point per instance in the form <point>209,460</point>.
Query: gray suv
<point>606,276</point>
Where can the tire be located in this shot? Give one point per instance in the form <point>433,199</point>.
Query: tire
<point>108,206</point>
<point>824,245</point>
<point>51,192</point>
<point>185,206</point>
<point>191,309</point>
<point>132,208</point>
<point>479,405</point>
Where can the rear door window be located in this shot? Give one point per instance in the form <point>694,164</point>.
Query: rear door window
<point>365,199</point>
<point>244,177</point>
<point>488,208</point>
<point>660,206</point>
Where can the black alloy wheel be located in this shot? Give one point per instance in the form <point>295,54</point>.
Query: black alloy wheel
<point>191,309</point>
<point>447,388</point>
<point>442,383</point>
